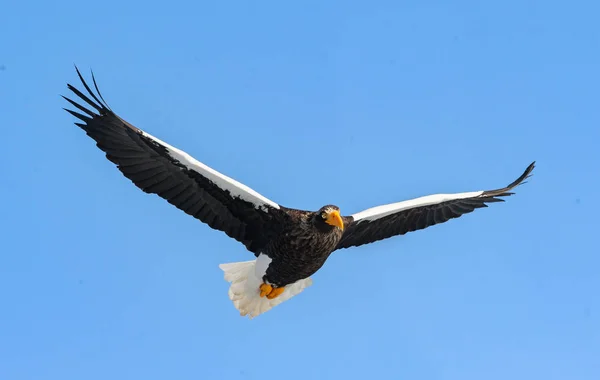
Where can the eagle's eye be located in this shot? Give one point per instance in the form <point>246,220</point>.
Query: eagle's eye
<point>324,215</point>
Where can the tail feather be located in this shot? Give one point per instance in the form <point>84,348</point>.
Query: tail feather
<point>246,277</point>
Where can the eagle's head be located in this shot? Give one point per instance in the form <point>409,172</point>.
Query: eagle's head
<point>328,217</point>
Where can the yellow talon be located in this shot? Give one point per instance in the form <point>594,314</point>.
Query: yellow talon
<point>269,291</point>
<point>275,293</point>
<point>265,289</point>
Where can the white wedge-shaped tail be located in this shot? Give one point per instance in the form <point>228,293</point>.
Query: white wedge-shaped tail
<point>246,277</point>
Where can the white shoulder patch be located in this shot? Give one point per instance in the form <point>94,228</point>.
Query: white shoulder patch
<point>392,208</point>
<point>235,188</point>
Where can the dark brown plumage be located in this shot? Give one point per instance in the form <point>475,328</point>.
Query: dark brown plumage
<point>302,248</point>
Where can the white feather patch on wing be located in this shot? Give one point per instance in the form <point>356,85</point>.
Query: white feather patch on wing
<point>246,277</point>
<point>235,188</point>
<point>392,208</point>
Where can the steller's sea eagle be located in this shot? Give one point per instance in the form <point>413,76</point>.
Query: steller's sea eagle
<point>290,245</point>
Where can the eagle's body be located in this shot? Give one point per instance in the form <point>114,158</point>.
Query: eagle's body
<point>301,248</point>
<point>290,245</point>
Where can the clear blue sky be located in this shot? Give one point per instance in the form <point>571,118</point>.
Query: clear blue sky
<point>101,281</point>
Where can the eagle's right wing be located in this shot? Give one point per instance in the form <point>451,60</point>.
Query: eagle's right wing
<point>159,168</point>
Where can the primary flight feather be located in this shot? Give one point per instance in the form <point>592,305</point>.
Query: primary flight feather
<point>290,245</point>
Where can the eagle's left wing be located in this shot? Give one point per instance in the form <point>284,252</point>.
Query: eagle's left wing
<point>385,221</point>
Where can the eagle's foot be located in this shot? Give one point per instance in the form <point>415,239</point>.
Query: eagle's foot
<point>265,289</point>
<point>269,291</point>
<point>276,292</point>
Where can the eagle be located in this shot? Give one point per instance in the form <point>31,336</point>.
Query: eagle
<point>289,245</point>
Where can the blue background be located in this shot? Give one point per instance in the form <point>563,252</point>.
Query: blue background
<point>357,104</point>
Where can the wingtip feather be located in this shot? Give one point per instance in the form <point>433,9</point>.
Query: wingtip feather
<point>98,89</point>
<point>506,190</point>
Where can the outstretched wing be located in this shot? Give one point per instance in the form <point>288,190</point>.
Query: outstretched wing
<point>159,168</point>
<point>385,221</point>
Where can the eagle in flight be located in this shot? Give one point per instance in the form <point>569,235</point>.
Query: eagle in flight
<point>289,245</point>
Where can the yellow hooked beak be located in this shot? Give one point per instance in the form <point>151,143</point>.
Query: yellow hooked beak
<point>334,219</point>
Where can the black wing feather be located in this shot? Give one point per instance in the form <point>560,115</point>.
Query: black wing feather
<point>358,233</point>
<point>148,165</point>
